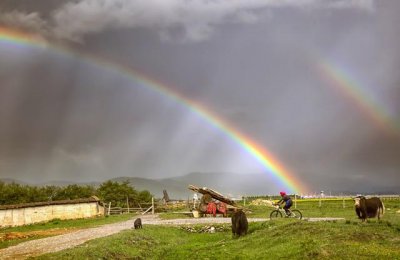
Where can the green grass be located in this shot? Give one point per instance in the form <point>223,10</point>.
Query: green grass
<point>273,239</point>
<point>175,215</point>
<point>329,208</point>
<point>58,224</point>
<point>282,238</point>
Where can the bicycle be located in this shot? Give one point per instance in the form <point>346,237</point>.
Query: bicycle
<point>279,212</point>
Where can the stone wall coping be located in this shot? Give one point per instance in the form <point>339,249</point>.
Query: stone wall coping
<point>48,203</point>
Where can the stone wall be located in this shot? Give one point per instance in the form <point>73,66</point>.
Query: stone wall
<point>30,215</point>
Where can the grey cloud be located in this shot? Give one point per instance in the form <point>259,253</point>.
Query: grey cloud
<point>25,21</point>
<point>61,118</point>
<point>195,20</point>
<point>362,4</point>
<point>74,20</point>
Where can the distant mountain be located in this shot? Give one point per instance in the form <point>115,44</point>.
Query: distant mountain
<point>175,188</point>
<point>345,185</point>
<point>48,183</point>
<point>230,184</point>
<point>66,183</point>
<point>233,185</point>
<point>9,180</point>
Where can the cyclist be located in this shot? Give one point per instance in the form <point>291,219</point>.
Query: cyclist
<point>287,200</point>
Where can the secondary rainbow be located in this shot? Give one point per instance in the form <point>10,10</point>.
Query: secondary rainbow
<point>353,89</point>
<point>264,157</point>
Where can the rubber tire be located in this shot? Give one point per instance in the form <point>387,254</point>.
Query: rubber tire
<point>297,213</point>
<point>275,214</point>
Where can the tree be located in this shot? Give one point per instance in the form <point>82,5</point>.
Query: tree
<point>13,193</point>
<point>116,193</point>
<point>50,192</point>
<point>34,194</point>
<point>75,191</point>
<point>144,196</point>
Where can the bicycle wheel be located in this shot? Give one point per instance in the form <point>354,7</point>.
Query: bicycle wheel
<point>296,214</point>
<point>275,214</point>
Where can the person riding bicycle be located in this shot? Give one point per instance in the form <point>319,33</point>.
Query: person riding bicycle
<point>287,200</point>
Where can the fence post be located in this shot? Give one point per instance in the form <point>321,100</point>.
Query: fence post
<point>152,205</point>
<point>109,208</point>
<point>320,201</point>
<point>295,201</point>
<point>127,203</point>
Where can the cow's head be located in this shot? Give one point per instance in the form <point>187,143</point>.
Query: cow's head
<point>357,201</point>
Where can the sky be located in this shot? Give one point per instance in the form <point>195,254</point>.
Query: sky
<point>315,83</point>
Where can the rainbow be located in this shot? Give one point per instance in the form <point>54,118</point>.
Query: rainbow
<point>352,88</point>
<point>286,179</point>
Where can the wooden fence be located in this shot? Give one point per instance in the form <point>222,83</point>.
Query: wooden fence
<point>159,206</point>
<point>142,209</point>
<point>346,201</point>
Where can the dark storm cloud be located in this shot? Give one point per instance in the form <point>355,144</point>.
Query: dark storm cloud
<point>30,21</point>
<point>253,63</point>
<point>194,19</point>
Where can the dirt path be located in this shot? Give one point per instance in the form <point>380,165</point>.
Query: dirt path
<point>61,242</point>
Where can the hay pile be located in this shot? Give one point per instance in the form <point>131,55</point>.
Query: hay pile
<point>261,202</point>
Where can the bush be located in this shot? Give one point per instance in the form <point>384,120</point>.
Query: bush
<point>114,192</point>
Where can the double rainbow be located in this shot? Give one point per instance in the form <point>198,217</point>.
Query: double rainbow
<point>286,179</point>
<point>353,89</point>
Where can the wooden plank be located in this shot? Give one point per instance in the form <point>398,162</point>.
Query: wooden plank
<point>214,194</point>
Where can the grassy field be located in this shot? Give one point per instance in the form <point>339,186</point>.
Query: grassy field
<point>283,238</point>
<point>329,208</point>
<point>273,239</point>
